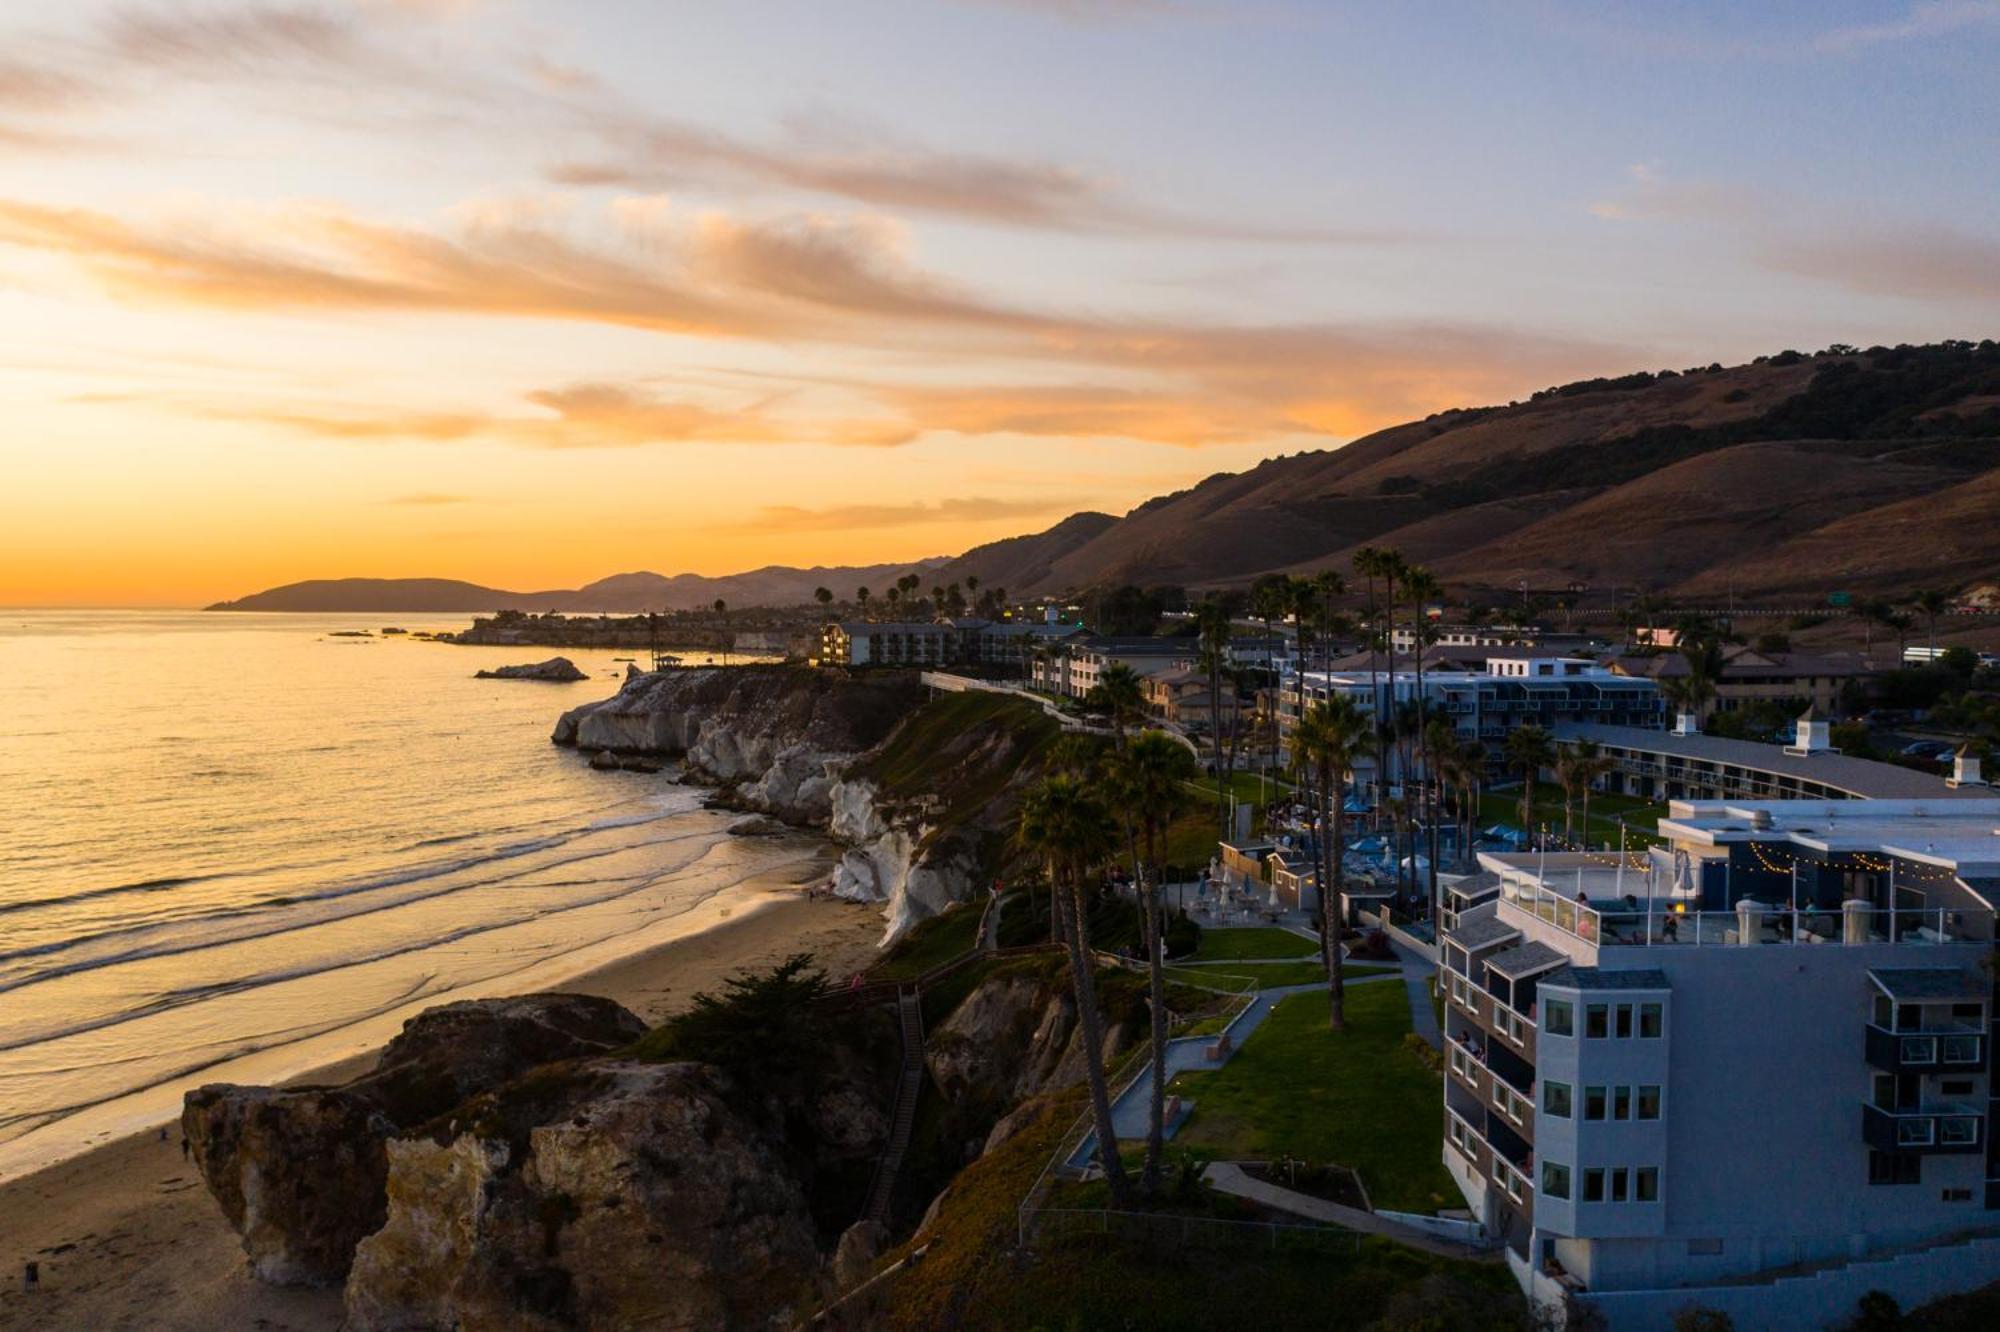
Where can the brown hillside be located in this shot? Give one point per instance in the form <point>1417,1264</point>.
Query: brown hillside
<point>1947,539</point>
<point>1712,510</point>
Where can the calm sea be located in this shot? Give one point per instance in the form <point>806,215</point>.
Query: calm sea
<point>233,847</point>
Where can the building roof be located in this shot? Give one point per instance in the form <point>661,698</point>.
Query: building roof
<point>1482,933</point>
<point>1922,984</point>
<point>857,628</point>
<point>1595,978</point>
<point>1526,960</point>
<point>1864,778</point>
<point>1141,647</point>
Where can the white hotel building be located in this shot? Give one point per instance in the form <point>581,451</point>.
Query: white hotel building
<point>1748,1071</point>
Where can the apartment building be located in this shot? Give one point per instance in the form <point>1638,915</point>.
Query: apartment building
<point>1074,671</point>
<point>1749,1070</point>
<point>1514,689</point>
<point>1005,647</point>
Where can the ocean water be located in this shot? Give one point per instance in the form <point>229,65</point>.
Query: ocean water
<point>235,846</point>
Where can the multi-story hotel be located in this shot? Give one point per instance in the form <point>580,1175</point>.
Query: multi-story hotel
<point>1748,1070</point>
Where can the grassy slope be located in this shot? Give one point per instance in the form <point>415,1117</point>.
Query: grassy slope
<point>1270,975</point>
<point>1359,1099</point>
<point>1505,807</point>
<point>972,1278</point>
<point>931,943</point>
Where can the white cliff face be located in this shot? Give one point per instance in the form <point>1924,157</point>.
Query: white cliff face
<point>893,862</point>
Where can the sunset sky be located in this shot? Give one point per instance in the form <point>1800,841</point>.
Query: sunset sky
<point>531,293</point>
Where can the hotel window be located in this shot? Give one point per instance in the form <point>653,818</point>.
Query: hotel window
<point>1559,1018</point>
<point>1618,1184</point>
<point>1593,1102</point>
<point>1555,1179</point>
<point>1593,1186</point>
<point>1649,1021</point>
<point>1596,1021</point>
<point>1649,1102</point>
<point>1621,1102</point>
<point>1555,1099</point>
<point>1624,1021</point>
<point>1646,1184</point>
<point>1895,1168</point>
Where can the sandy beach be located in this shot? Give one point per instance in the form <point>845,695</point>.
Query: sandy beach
<point>126,1236</point>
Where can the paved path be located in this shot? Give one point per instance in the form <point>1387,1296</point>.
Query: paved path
<point>1417,972</point>
<point>1131,1109</point>
<point>1230,1178</point>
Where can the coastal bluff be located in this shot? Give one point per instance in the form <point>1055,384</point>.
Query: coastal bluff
<point>919,790</point>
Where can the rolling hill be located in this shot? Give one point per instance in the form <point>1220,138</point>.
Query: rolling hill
<point>1793,476</point>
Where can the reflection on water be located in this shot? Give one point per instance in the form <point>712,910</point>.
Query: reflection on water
<point>228,834</point>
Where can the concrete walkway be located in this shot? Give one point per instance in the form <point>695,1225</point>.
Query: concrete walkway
<point>1230,1178</point>
<point>1417,972</point>
<point>1131,1108</point>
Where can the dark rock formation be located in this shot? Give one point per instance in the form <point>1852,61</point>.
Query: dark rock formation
<point>557,670</point>
<point>299,1171</point>
<point>629,1195</point>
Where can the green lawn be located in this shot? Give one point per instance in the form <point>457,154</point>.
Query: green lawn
<point>1359,1099</point>
<point>1231,945</point>
<point>1271,975</point>
<point>1641,815</point>
<point>1245,785</point>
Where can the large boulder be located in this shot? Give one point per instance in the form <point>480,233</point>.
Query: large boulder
<point>299,1172</point>
<point>636,1195</point>
<point>556,670</point>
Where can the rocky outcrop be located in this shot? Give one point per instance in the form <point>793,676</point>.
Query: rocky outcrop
<point>636,1196</point>
<point>899,861</point>
<point>775,736</point>
<point>557,670</point>
<point>1014,1037</point>
<point>299,1172</point>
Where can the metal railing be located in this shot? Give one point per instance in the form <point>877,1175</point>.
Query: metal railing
<point>1182,1230</point>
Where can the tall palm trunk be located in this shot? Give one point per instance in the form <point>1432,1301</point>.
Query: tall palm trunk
<point>1083,980</point>
<point>1156,1002</point>
<point>1329,894</point>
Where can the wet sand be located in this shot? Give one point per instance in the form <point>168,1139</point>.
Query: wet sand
<point>127,1237</point>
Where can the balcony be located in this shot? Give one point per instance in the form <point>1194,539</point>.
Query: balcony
<point>1932,1130</point>
<point>1958,1049</point>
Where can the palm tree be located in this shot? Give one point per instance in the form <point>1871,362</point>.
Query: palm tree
<point>823,595</point>
<point>861,595</point>
<point>1212,620</point>
<point>1327,740</point>
<point>1931,603</point>
<point>1577,766</point>
<point>722,611</point>
<point>1067,826</point>
<point>1421,587</point>
<point>1528,751</point>
<point>1120,694</point>
<point>1152,784</point>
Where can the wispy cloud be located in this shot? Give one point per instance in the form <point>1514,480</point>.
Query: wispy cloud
<point>1934,18</point>
<point>863,517</point>
<point>836,281</point>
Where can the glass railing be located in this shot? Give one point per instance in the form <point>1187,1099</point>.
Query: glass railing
<point>1671,923</point>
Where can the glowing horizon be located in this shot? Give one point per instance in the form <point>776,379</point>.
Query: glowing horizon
<point>527,294</point>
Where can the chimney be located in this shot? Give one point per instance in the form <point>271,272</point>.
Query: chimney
<point>1814,735</point>
<point>1686,723</point>
<point>1964,768</point>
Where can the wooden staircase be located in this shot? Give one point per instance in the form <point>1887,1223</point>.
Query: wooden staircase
<point>909,1083</point>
